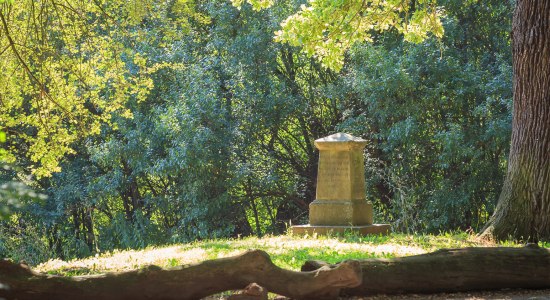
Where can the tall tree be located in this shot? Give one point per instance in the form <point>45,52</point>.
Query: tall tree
<point>523,209</point>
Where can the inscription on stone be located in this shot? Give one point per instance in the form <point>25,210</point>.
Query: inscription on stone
<point>333,179</point>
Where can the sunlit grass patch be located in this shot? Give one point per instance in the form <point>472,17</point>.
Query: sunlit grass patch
<point>286,251</point>
<point>117,261</point>
<point>294,259</point>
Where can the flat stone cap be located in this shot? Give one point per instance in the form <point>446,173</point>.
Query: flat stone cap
<point>340,141</point>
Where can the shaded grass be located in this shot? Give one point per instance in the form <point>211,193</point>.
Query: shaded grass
<point>289,252</point>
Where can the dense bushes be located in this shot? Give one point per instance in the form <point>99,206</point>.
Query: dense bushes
<point>221,142</point>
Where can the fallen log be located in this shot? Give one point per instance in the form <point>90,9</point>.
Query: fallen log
<point>448,270</point>
<point>185,282</point>
<point>452,270</point>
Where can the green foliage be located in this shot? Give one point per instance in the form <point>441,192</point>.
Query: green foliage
<point>65,76</point>
<point>439,121</point>
<point>14,195</point>
<point>187,121</point>
<point>23,242</point>
<point>20,239</point>
<point>327,29</point>
<point>256,4</point>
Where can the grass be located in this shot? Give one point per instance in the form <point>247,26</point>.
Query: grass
<point>286,251</point>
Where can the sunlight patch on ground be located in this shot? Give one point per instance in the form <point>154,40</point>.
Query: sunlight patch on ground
<point>129,260</point>
<point>286,251</point>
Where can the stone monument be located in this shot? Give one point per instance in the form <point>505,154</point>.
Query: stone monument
<point>340,203</point>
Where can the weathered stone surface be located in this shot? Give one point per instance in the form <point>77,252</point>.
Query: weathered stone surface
<point>340,197</point>
<point>342,213</point>
<point>340,175</point>
<point>340,202</point>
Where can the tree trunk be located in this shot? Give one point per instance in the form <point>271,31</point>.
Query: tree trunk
<point>88,222</point>
<point>453,270</point>
<point>186,282</point>
<point>523,209</point>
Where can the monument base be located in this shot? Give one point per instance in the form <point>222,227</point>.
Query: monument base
<point>340,213</point>
<point>376,229</point>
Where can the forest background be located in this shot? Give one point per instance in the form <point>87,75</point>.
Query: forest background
<point>144,123</point>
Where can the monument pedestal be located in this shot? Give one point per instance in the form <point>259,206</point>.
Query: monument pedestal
<point>340,213</point>
<point>340,205</point>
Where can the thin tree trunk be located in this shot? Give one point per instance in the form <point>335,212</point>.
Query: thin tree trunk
<point>523,209</point>
<point>76,221</point>
<point>252,202</point>
<point>256,217</point>
<point>88,222</point>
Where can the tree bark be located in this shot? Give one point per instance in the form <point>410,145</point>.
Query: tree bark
<point>523,209</point>
<point>186,282</point>
<point>452,270</point>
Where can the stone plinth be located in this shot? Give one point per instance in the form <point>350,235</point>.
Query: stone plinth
<point>375,229</point>
<point>324,212</point>
<point>340,203</point>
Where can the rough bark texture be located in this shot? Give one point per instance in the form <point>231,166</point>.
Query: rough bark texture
<point>523,209</point>
<point>188,282</point>
<point>453,270</point>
